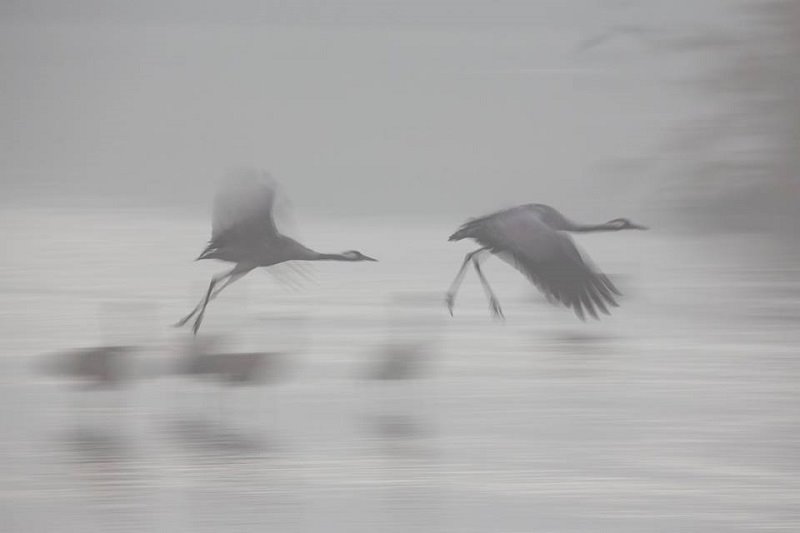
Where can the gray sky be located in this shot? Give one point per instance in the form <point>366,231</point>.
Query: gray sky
<point>365,106</point>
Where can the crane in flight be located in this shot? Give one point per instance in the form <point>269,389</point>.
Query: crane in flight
<point>244,232</point>
<point>533,239</point>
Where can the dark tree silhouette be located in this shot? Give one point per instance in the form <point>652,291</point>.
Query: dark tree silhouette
<point>741,165</point>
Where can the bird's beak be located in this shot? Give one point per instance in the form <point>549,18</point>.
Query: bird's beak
<point>637,226</point>
<point>368,258</point>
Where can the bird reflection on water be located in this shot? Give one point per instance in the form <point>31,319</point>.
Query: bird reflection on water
<point>402,405</point>
<point>219,437</point>
<point>98,445</point>
<point>228,375</point>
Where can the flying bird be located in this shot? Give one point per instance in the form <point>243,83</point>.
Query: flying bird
<point>244,232</point>
<point>532,238</point>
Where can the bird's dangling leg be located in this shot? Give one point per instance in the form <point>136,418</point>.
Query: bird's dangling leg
<point>193,312</point>
<point>494,304</point>
<point>450,297</point>
<point>199,305</point>
<point>234,275</point>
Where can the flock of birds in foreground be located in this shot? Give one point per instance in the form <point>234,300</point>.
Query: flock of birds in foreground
<point>532,238</point>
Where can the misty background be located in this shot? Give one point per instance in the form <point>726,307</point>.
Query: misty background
<point>601,108</point>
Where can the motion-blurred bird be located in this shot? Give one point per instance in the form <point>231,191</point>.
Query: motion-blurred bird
<point>533,239</point>
<point>244,232</point>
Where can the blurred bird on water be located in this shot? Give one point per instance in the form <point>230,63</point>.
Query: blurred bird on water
<point>532,238</point>
<point>231,368</point>
<point>244,232</point>
<point>97,367</point>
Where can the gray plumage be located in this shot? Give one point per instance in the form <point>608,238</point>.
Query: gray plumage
<point>533,239</point>
<point>244,232</point>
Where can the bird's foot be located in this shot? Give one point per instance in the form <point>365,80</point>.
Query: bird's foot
<point>182,322</point>
<point>450,300</point>
<point>497,311</point>
<point>197,323</point>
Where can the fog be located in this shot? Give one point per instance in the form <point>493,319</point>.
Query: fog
<point>359,107</point>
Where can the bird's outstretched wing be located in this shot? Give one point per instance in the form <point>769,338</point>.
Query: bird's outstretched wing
<point>244,214</point>
<point>549,258</point>
<point>244,205</point>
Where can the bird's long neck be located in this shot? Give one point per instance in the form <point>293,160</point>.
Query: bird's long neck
<point>296,251</point>
<point>586,228</point>
<point>330,257</point>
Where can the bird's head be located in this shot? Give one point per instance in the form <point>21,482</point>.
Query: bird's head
<point>623,223</point>
<point>355,255</point>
